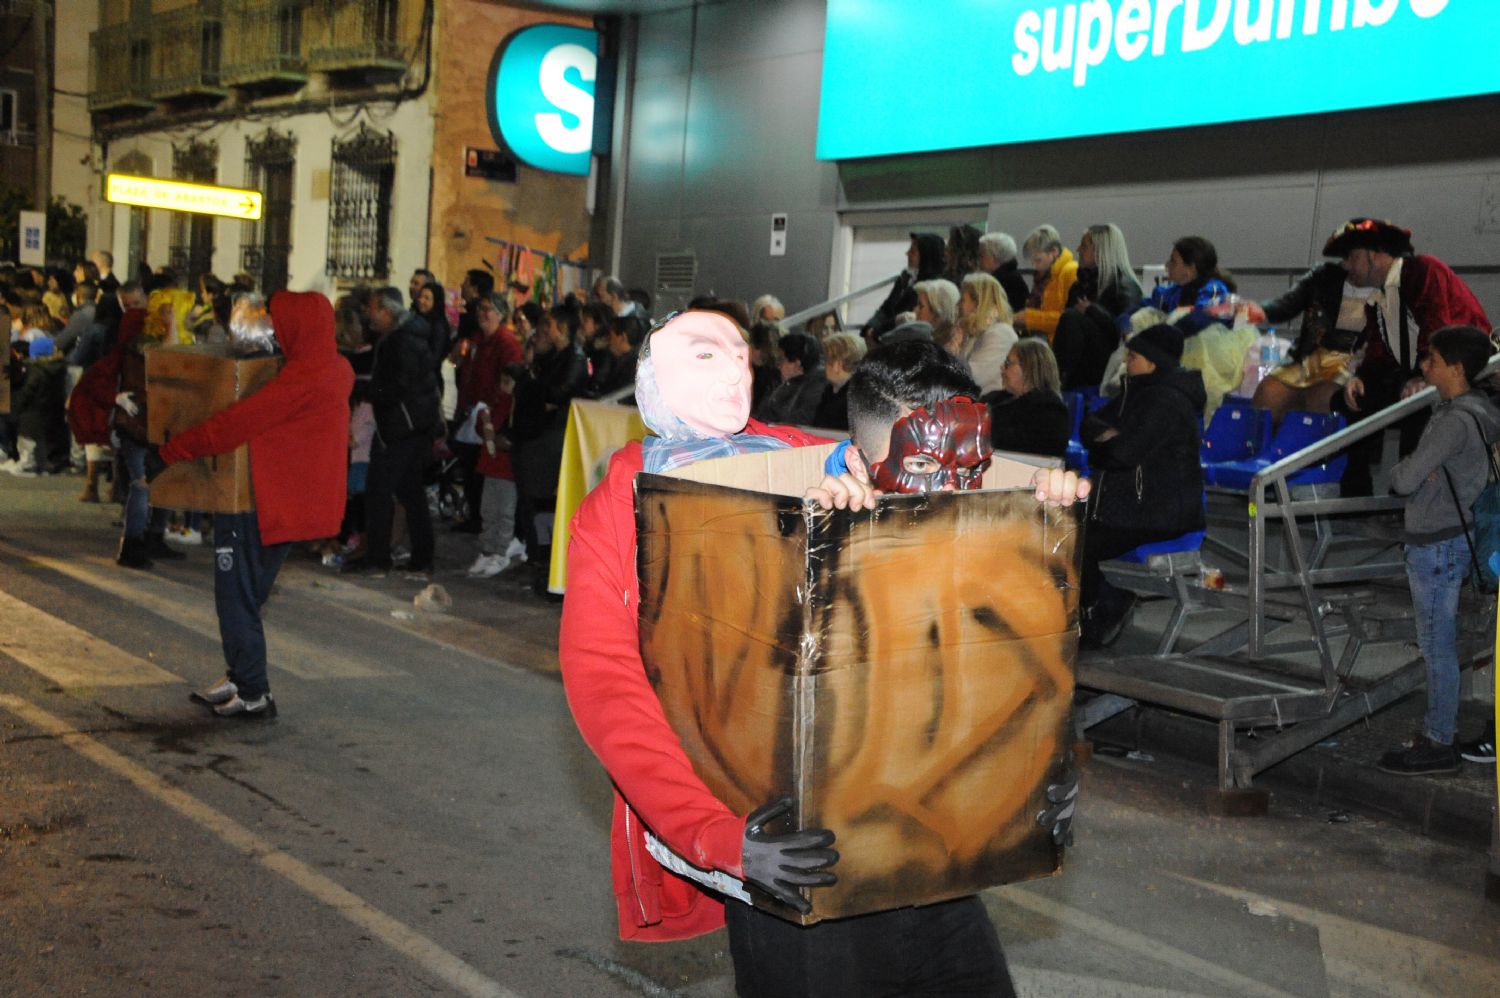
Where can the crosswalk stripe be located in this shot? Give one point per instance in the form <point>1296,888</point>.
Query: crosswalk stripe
<point>69,657</point>
<point>194,610</point>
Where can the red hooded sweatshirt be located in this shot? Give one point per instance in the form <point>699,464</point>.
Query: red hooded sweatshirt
<point>297,427</point>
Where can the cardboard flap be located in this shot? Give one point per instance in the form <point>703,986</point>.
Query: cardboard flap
<point>791,472</point>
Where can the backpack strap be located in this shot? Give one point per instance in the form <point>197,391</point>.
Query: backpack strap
<point>1458,507</point>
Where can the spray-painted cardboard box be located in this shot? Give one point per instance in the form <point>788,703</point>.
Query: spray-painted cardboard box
<point>184,386</point>
<point>904,674</point>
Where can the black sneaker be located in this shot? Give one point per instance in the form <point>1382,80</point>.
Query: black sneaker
<point>1481,749</point>
<point>1424,757</point>
<point>262,708</point>
<point>215,695</point>
<point>366,567</point>
<point>157,547</point>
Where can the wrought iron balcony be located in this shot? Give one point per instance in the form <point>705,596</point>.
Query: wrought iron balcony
<point>358,35</point>
<point>266,49</point>
<point>120,70</point>
<point>186,48</point>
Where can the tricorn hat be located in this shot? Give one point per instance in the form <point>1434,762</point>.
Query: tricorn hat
<point>1368,233</point>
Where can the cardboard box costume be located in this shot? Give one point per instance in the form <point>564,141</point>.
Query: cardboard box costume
<point>905,674</point>
<point>186,385</point>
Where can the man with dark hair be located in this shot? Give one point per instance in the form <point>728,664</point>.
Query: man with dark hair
<point>406,398</point>
<point>477,284</point>
<point>420,278</point>
<point>625,335</point>
<point>1441,480</point>
<point>803,382</point>
<point>896,378</point>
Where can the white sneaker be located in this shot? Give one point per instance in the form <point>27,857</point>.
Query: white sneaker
<point>517,550</point>
<point>487,566</point>
<point>400,555</point>
<point>186,536</point>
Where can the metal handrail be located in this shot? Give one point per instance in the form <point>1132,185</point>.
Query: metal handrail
<point>833,303</point>
<point>1277,474</point>
<point>1367,427</point>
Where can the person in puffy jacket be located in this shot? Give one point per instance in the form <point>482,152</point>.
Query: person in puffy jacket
<point>1148,484</point>
<point>1055,272</point>
<point>925,258</point>
<point>297,427</point>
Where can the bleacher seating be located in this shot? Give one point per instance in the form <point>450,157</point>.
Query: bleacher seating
<point>1236,433</point>
<point>1298,430</point>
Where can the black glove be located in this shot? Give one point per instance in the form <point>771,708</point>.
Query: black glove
<point>154,464</point>
<point>780,864</point>
<point>1058,815</point>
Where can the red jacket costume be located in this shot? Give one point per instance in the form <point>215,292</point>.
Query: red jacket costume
<point>93,399</point>
<point>1435,297</point>
<point>623,722</point>
<point>297,427</point>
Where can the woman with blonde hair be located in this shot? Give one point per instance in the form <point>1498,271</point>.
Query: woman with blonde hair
<point>1029,415</point>
<point>984,334</point>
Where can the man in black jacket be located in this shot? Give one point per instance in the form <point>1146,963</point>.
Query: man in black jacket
<point>924,261</point>
<point>405,395</point>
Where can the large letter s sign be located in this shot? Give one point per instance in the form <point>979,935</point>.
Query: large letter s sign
<point>541,96</point>
<point>575,101</point>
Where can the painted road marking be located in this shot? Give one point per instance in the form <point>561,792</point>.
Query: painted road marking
<point>1231,981</point>
<point>1381,961</point>
<point>69,657</point>
<point>398,936</point>
<point>194,609</point>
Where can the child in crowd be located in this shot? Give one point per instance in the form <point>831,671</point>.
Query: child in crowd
<point>40,427</point>
<point>1441,479</point>
<point>361,436</point>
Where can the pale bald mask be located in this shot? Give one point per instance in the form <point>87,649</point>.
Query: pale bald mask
<point>698,371</point>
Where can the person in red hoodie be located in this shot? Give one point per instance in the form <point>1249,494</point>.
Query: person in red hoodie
<point>297,427</point>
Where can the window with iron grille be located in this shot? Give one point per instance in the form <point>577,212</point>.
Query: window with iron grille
<point>192,247</point>
<point>270,162</point>
<point>359,223</point>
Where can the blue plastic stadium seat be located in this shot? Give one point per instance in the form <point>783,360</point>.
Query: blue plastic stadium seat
<point>1190,541</point>
<point>1298,430</point>
<point>1236,433</point>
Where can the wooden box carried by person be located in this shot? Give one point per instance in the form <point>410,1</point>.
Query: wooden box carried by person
<point>184,386</point>
<point>904,674</point>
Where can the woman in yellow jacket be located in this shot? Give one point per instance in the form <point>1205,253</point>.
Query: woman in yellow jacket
<point>1056,270</point>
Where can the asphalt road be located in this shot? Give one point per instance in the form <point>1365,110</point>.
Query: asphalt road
<point>422,818</point>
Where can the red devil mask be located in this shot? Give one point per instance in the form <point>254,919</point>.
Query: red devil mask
<point>930,451</point>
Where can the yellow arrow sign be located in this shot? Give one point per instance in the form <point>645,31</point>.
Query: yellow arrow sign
<point>174,195</point>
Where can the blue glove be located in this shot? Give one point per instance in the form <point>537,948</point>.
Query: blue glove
<point>836,463</point>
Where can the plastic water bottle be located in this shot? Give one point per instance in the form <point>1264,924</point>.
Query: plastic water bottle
<point>1270,354</point>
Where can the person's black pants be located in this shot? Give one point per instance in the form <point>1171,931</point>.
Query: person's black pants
<point>396,475</point>
<point>468,462</point>
<point>1101,544</point>
<point>244,571</point>
<point>948,948</point>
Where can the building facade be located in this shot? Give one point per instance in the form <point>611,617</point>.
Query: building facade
<point>351,117</point>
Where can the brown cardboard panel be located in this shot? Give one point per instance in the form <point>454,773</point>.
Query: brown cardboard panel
<point>905,674</point>
<point>185,385</point>
<point>5,374</point>
<point>792,471</point>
